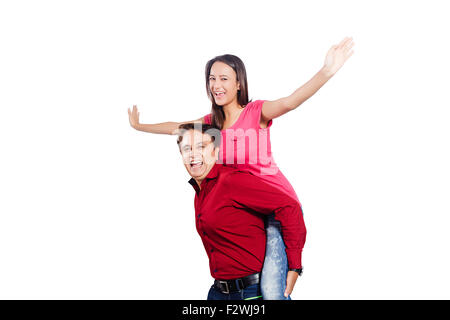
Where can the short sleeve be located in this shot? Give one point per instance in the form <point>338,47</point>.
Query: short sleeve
<point>255,109</point>
<point>207,119</point>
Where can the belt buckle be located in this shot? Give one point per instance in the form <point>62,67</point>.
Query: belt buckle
<point>226,285</point>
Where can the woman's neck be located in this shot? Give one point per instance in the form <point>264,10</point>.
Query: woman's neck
<point>231,110</point>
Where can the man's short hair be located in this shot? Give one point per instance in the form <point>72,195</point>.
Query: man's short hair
<point>208,129</point>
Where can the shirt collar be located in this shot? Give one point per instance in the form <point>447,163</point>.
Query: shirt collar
<point>213,173</point>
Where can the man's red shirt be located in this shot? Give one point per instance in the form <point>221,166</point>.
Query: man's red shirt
<point>229,209</point>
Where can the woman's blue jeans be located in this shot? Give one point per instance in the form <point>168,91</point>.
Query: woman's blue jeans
<point>275,268</point>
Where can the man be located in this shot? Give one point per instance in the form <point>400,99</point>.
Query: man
<point>229,208</point>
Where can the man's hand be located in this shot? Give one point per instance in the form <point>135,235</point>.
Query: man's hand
<point>290,282</point>
<point>133,117</point>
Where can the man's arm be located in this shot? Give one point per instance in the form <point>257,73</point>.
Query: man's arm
<point>251,192</point>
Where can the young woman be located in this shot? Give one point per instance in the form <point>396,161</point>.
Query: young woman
<point>245,143</point>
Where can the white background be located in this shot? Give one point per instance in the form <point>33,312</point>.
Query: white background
<point>92,209</point>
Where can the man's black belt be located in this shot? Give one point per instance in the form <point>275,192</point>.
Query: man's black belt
<point>234,285</point>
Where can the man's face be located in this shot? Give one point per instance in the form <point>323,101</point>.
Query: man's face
<point>199,154</point>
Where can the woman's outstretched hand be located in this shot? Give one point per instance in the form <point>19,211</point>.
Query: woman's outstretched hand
<point>337,55</point>
<point>133,117</point>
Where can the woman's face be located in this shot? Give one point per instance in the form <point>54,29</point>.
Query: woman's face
<point>223,83</point>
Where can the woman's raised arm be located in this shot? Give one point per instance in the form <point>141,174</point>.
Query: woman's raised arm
<point>335,59</point>
<point>160,128</point>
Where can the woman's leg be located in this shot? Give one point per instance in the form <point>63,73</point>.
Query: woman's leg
<point>275,268</point>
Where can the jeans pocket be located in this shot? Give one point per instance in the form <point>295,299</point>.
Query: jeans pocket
<point>252,292</point>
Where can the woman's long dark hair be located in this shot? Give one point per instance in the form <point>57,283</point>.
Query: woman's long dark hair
<point>218,116</point>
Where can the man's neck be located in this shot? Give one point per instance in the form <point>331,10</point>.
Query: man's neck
<point>199,183</point>
<point>200,179</point>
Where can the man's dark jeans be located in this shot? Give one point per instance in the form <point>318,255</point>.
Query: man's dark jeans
<point>252,292</point>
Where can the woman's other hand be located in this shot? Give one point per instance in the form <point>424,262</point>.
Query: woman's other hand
<point>133,117</point>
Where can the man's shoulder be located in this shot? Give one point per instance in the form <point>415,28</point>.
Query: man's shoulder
<point>228,173</point>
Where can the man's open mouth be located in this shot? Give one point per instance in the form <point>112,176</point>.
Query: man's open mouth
<point>196,164</point>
